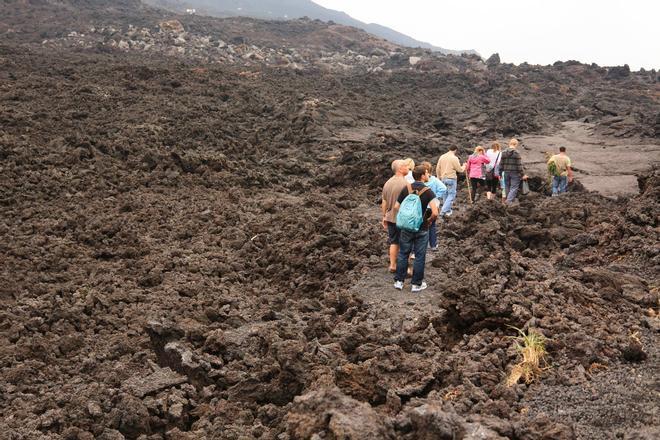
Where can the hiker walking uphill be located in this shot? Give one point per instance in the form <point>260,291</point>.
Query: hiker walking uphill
<point>391,191</point>
<point>512,167</point>
<point>476,172</point>
<point>494,180</point>
<point>559,167</point>
<point>448,166</point>
<point>417,208</point>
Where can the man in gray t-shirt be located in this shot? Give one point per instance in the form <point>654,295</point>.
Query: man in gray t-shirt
<point>391,191</point>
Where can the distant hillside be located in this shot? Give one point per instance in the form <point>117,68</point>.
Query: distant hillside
<point>289,9</point>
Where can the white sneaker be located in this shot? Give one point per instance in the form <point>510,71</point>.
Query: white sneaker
<point>448,213</point>
<point>416,288</point>
<point>398,285</point>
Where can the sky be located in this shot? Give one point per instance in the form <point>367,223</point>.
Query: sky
<point>606,32</point>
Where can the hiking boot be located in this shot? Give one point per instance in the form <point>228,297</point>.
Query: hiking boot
<point>448,213</point>
<point>398,285</point>
<point>418,288</point>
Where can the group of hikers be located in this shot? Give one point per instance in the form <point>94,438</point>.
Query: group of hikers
<point>413,198</point>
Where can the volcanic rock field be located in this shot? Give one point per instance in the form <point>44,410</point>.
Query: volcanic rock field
<point>190,243</point>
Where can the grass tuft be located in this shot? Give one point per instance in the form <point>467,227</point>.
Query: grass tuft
<point>531,346</point>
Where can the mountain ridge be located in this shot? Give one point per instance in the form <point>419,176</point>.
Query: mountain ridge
<point>291,9</point>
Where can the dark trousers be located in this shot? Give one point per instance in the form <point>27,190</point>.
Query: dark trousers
<point>409,242</point>
<point>475,182</point>
<point>493,185</point>
<point>433,235</point>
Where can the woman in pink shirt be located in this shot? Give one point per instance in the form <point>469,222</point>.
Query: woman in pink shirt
<point>475,170</point>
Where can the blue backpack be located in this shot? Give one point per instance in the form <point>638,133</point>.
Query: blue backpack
<point>410,216</point>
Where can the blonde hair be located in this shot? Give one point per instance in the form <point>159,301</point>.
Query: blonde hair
<point>513,142</point>
<point>410,163</point>
<point>479,149</point>
<point>496,146</point>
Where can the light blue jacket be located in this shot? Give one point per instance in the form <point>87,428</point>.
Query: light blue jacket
<point>438,188</point>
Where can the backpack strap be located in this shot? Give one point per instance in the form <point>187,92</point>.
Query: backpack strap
<point>418,192</point>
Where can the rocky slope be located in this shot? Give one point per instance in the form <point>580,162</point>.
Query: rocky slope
<point>182,226</point>
<point>293,9</point>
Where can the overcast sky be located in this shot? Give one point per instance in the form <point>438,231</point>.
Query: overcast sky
<point>606,32</point>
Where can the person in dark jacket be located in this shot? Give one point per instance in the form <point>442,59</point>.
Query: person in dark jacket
<point>512,167</point>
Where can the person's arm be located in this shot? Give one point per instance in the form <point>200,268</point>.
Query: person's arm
<point>383,210</point>
<point>402,195</point>
<point>437,169</point>
<point>521,169</point>
<point>458,167</point>
<point>430,206</point>
<point>569,168</point>
<point>434,210</point>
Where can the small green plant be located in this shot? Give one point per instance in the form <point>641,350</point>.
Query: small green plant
<point>531,346</point>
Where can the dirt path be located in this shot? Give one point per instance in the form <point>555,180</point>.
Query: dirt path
<point>617,400</point>
<point>606,165</point>
<point>400,307</point>
<point>376,288</point>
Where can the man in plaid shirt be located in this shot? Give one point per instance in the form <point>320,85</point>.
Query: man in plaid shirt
<point>512,167</point>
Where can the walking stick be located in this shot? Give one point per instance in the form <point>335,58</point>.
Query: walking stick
<point>467,180</point>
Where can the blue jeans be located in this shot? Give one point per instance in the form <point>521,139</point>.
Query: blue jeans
<point>502,191</point>
<point>409,241</point>
<point>559,184</point>
<point>450,195</point>
<point>433,235</point>
<point>511,185</point>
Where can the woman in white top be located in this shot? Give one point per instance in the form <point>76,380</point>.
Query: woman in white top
<point>492,177</point>
<point>411,165</point>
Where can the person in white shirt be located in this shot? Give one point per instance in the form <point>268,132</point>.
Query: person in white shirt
<point>493,179</point>
<point>411,166</point>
